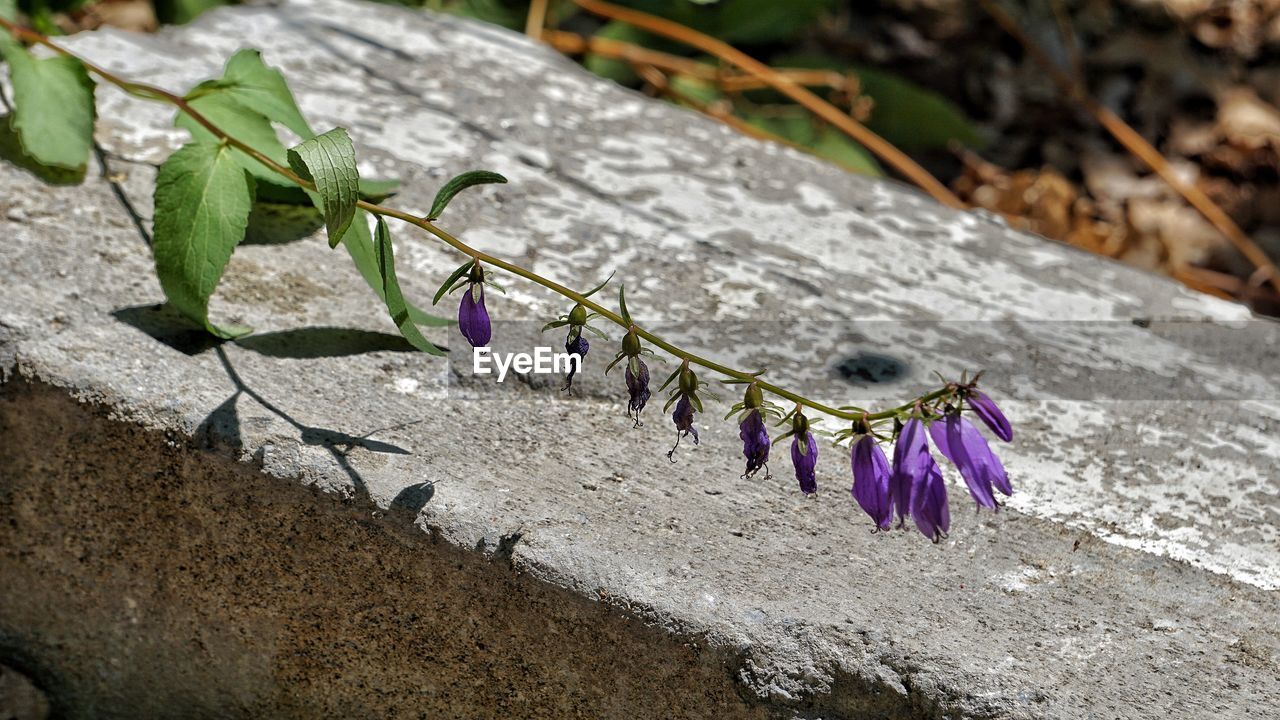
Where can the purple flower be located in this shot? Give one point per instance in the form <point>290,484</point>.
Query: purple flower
<point>805,458</point>
<point>683,418</point>
<point>963,445</point>
<point>575,344</point>
<point>638,387</point>
<point>473,318</point>
<point>929,502</point>
<point>911,463</point>
<point>987,411</point>
<point>871,481</point>
<point>755,442</point>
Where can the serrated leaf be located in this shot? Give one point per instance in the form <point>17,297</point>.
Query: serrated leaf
<point>457,185</point>
<point>396,305</point>
<point>202,203</point>
<point>247,126</point>
<point>329,160</point>
<point>359,245</point>
<point>254,84</point>
<point>53,110</point>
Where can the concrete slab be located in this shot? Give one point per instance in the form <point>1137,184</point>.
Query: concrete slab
<point>312,521</point>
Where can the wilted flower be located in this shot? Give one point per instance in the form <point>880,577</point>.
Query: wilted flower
<point>911,463</point>
<point>929,501</point>
<point>755,442</point>
<point>987,411</point>
<point>575,344</point>
<point>871,481</point>
<point>683,418</point>
<point>637,374</point>
<point>804,453</point>
<point>473,318</point>
<point>964,446</point>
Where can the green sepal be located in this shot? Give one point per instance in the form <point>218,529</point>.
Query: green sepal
<point>622,303</point>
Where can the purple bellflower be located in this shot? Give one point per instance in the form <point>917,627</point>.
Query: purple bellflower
<point>964,446</point>
<point>929,501</point>
<point>871,481</point>
<point>755,442</point>
<point>804,453</point>
<point>911,463</point>
<point>987,411</point>
<point>473,318</point>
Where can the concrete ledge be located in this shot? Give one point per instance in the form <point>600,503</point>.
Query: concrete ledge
<point>314,522</point>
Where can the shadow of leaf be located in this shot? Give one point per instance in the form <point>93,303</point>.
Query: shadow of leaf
<point>280,223</point>
<point>166,325</point>
<point>317,342</point>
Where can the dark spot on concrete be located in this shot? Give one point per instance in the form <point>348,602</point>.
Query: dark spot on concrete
<point>872,368</point>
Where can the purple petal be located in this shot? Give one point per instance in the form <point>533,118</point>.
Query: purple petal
<point>871,481</point>
<point>806,463</point>
<point>964,446</point>
<point>473,318</point>
<point>910,461</point>
<point>987,411</point>
<point>929,503</point>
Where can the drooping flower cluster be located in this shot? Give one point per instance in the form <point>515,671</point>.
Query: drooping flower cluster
<point>911,486</point>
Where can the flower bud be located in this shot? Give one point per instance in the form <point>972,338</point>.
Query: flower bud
<point>578,315</point>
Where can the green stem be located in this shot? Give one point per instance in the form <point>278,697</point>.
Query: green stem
<point>150,92</point>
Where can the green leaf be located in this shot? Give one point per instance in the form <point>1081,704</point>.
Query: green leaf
<point>53,110</point>
<point>176,12</point>
<point>599,287</point>
<point>396,305</point>
<point>622,303</point>
<point>457,185</point>
<point>255,85</point>
<point>202,203</point>
<point>907,115</point>
<point>378,190</point>
<point>329,160</point>
<point>845,151</point>
<point>619,71</point>
<point>247,126</point>
<point>453,277</point>
<point>359,245</point>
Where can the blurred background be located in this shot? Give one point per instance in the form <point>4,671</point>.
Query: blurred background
<point>1144,130</point>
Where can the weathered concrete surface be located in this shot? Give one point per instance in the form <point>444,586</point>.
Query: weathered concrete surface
<point>312,522</point>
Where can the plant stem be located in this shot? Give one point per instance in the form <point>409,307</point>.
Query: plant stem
<point>151,92</point>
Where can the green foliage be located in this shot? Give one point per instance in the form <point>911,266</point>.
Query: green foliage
<point>908,116</point>
<point>329,160</point>
<point>619,71</point>
<point>825,142</point>
<point>359,246</point>
<point>177,12</point>
<point>251,83</point>
<point>740,21</point>
<point>202,201</point>
<point>53,107</point>
<point>396,305</point>
<point>457,185</point>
